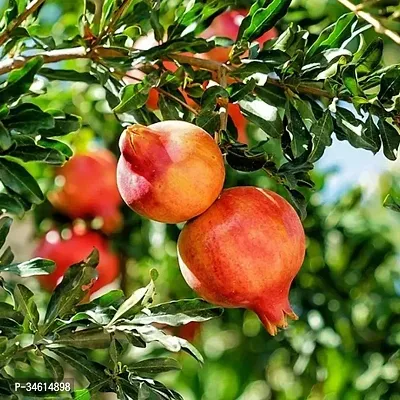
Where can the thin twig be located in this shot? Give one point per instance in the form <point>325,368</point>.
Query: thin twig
<point>178,100</point>
<point>117,14</point>
<point>21,18</point>
<point>209,65</point>
<point>372,20</point>
<point>223,111</point>
<point>171,96</point>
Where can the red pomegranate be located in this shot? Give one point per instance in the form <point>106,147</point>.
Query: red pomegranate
<point>66,252</point>
<point>170,171</point>
<point>244,251</point>
<point>89,188</point>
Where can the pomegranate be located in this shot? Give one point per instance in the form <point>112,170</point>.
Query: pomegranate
<point>89,189</point>
<point>170,171</point>
<point>65,252</point>
<point>244,251</point>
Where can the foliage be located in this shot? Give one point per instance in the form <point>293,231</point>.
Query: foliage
<point>298,89</point>
<point>69,328</point>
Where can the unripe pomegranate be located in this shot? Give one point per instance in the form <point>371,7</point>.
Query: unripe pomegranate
<point>244,251</point>
<point>66,252</point>
<point>89,188</point>
<point>170,171</point>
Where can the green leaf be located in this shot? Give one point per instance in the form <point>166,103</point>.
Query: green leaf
<point>93,371</point>
<point>85,339</point>
<point>390,85</point>
<point>263,115</point>
<point>370,58</point>
<point>54,368</point>
<point>16,178</point>
<point>9,328</point>
<point>38,154</point>
<point>64,124</point>
<point>392,201</point>
<point>5,225</point>
<point>20,80</point>
<point>156,24</point>
<point>321,132</point>
<point>333,36</point>
<point>36,266</point>
<point>262,19</point>
<point>237,91</point>
<point>169,108</point>
<point>28,119</point>
<point>7,257</point>
<point>82,394</point>
<point>11,205</point>
<point>241,159</point>
<point>390,139</point>
<point>135,302</point>
<point>67,75</point>
<point>25,303</point>
<point>77,281</point>
<point>178,312</point>
<point>272,95</point>
<point>300,137</point>
<point>11,12</point>
<point>61,147</point>
<point>172,343</point>
<point>372,133</point>
<point>135,96</point>
<point>299,202</point>
<point>7,311</point>
<point>5,138</point>
<point>353,130</point>
<point>350,80</point>
<point>154,366</point>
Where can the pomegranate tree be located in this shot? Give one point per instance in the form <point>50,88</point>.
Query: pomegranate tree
<point>244,251</point>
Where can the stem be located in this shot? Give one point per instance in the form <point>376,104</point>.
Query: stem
<point>209,65</point>
<point>178,100</point>
<point>171,96</point>
<point>124,271</point>
<point>372,20</point>
<point>21,18</point>
<point>223,112</point>
<point>114,18</point>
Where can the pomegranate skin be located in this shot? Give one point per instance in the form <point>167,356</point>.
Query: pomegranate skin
<point>170,171</point>
<point>244,251</point>
<point>70,251</point>
<point>90,189</point>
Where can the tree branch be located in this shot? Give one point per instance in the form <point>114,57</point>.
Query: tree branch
<point>370,19</point>
<point>81,52</point>
<point>21,18</point>
<point>48,57</point>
